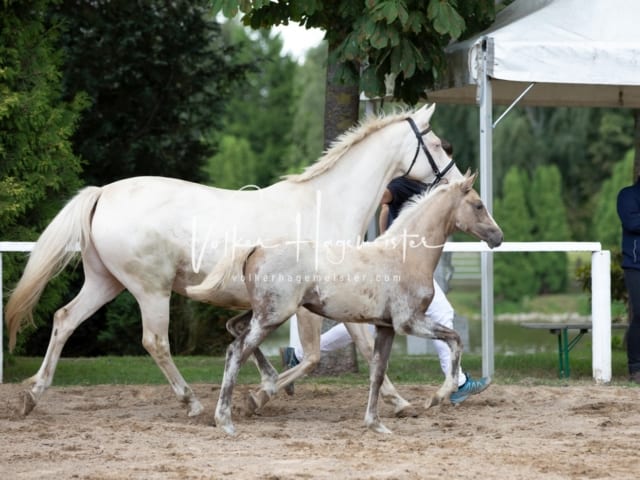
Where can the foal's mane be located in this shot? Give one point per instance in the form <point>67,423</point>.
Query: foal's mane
<point>414,205</point>
<point>344,142</point>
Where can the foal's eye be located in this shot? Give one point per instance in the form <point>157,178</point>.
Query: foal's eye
<point>479,206</point>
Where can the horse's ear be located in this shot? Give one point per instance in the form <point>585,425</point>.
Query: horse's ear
<point>423,115</point>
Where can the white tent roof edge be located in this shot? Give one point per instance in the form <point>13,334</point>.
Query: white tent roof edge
<point>578,54</point>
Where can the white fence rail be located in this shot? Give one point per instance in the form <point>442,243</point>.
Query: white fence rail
<point>600,298</point>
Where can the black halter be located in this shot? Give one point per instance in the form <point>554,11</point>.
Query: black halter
<point>436,171</point>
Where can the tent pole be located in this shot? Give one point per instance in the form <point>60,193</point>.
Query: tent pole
<point>486,193</point>
<point>513,104</point>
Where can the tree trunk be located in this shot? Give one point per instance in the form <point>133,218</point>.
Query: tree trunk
<point>340,106</point>
<point>340,113</point>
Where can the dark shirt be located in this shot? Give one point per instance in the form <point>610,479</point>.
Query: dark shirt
<point>402,189</point>
<point>629,213</point>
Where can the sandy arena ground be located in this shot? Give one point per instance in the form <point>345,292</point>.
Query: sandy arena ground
<point>508,432</point>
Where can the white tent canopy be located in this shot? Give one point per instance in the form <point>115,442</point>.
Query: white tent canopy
<point>577,53</point>
<point>545,53</point>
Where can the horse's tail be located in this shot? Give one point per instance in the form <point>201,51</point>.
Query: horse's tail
<point>220,275</point>
<point>69,230</point>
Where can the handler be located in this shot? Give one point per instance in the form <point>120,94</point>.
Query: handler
<point>629,213</point>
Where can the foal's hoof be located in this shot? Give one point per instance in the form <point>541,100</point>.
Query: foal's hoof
<point>28,403</point>
<point>435,400</point>
<point>257,400</point>
<point>408,411</point>
<point>251,404</point>
<point>290,389</point>
<point>195,408</point>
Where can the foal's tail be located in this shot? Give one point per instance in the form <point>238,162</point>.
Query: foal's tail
<point>57,245</point>
<point>220,275</point>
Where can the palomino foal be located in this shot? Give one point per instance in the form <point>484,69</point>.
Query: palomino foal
<point>388,282</point>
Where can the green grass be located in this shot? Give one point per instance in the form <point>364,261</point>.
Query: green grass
<point>467,302</point>
<point>539,368</point>
<point>522,355</point>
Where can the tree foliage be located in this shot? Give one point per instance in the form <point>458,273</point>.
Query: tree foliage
<point>38,169</point>
<point>531,209</point>
<point>606,223</point>
<point>514,272</point>
<point>258,118</point>
<point>583,143</point>
<point>157,75</point>
<point>307,138</point>
<point>550,224</point>
<point>371,40</point>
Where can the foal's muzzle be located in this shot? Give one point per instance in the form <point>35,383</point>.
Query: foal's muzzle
<point>495,238</point>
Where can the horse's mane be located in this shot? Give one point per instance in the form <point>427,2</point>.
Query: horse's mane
<point>344,142</point>
<point>414,205</point>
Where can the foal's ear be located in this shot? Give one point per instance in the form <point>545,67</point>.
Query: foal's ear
<point>469,180</point>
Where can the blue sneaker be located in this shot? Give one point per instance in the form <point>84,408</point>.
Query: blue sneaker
<point>470,387</point>
<point>289,360</point>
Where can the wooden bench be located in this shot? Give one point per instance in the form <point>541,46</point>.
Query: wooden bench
<point>561,330</point>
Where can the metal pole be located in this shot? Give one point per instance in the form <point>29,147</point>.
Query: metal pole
<point>486,193</point>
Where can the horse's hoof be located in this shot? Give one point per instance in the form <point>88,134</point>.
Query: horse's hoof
<point>28,403</point>
<point>195,408</point>
<point>229,430</point>
<point>409,411</point>
<point>380,428</point>
<point>225,423</point>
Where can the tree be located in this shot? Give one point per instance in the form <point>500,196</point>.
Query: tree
<point>371,42</point>
<point>234,166</point>
<point>606,224</point>
<point>307,131</point>
<point>458,124</point>
<point>157,74</point>
<point>259,116</point>
<point>38,169</point>
<point>550,224</point>
<point>513,272</point>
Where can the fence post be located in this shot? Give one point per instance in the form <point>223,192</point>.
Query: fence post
<point>601,315</point>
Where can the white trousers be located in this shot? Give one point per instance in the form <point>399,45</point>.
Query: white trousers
<point>440,310</point>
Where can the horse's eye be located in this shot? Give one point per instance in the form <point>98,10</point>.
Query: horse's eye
<point>479,206</point>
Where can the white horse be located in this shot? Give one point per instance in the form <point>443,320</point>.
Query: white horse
<point>152,235</point>
<point>387,282</point>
